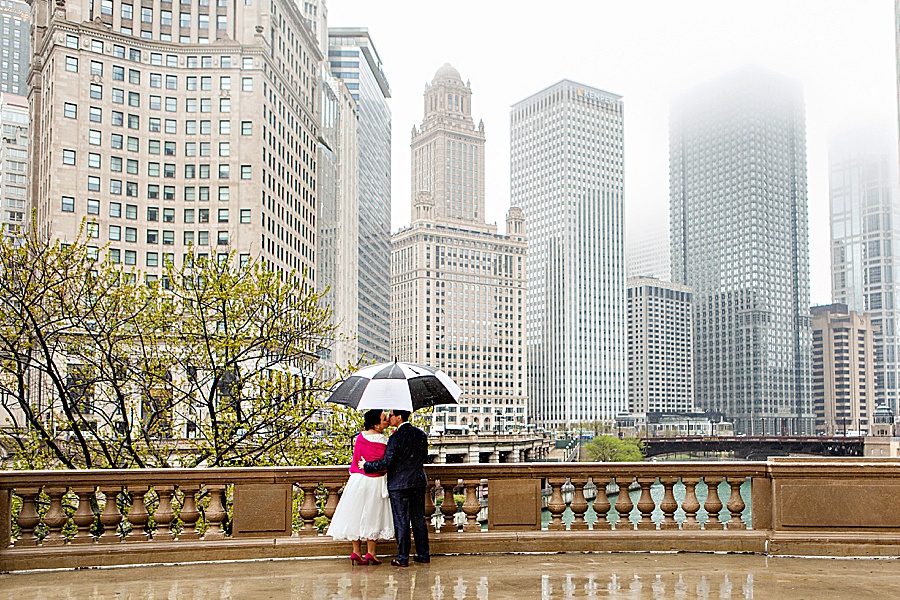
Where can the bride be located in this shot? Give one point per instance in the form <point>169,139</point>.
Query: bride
<point>364,511</point>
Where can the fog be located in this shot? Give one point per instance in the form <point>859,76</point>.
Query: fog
<point>649,51</point>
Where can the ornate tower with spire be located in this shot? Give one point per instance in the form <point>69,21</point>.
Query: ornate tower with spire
<point>448,150</point>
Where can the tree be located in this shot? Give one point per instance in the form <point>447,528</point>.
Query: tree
<point>607,448</point>
<point>211,364</point>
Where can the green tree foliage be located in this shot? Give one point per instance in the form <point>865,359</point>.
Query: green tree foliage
<point>607,448</point>
<point>211,364</point>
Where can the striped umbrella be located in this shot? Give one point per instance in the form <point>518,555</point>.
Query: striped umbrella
<point>396,385</point>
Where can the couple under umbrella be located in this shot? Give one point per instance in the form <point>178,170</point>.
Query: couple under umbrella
<point>385,495</point>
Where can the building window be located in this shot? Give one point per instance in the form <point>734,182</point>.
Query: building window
<point>93,160</point>
<point>93,206</point>
<point>224,149</point>
<point>131,234</point>
<point>156,80</point>
<point>152,236</point>
<point>115,233</point>
<point>131,211</point>
<point>97,68</point>
<point>224,193</point>
<point>130,257</point>
<point>171,126</point>
<point>115,209</point>
<point>134,99</point>
<point>245,215</point>
<point>224,105</point>
<point>127,11</point>
<point>246,127</point>
<point>246,171</point>
<point>247,84</point>
<point>72,64</point>
<point>225,82</point>
<point>95,115</point>
<point>224,171</point>
<point>118,96</point>
<point>153,259</point>
<point>93,183</point>
<point>222,238</point>
<point>134,122</point>
<point>68,204</point>
<point>96,91</point>
<point>118,73</point>
<point>223,215</point>
<point>68,157</point>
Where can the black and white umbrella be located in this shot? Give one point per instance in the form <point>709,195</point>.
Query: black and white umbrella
<point>396,385</point>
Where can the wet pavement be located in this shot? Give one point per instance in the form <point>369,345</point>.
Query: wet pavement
<point>518,577</point>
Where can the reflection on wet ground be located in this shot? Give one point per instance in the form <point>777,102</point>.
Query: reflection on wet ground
<point>519,577</point>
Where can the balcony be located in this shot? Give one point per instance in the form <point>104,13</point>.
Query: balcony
<point>811,507</point>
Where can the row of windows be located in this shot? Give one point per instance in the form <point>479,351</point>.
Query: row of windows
<point>70,109</point>
<point>199,238</point>
<point>156,58</point>
<point>131,187</point>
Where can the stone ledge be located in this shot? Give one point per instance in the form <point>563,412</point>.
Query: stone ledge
<point>816,543</point>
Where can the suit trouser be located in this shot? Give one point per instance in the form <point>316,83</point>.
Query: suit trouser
<point>408,508</point>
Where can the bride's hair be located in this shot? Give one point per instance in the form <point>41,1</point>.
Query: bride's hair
<point>372,418</point>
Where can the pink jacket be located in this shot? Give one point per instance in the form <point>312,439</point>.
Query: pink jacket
<point>371,451</point>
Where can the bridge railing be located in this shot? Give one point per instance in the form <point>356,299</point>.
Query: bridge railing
<point>53,519</point>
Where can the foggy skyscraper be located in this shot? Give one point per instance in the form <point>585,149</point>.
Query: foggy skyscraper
<point>737,153</point>
<point>865,234</point>
<point>567,177</point>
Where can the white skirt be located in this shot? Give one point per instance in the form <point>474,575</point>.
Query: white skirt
<point>364,511</point>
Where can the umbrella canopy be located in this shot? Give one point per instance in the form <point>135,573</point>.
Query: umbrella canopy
<point>396,385</point>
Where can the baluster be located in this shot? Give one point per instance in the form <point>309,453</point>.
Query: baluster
<point>646,504</point>
<point>578,505</point>
<point>713,505</point>
<point>308,510</point>
<point>28,518</point>
<point>84,516</point>
<point>556,506</point>
<point>215,514</point>
<point>601,507</point>
<point>189,513</point>
<point>430,508</point>
<point>138,515</point>
<point>332,501</point>
<point>111,516</point>
<point>690,504</point>
<point>471,506</point>
<point>736,505</point>
<point>624,505</point>
<point>448,507</point>
<point>668,504</point>
<point>56,517</point>
<point>164,514</point>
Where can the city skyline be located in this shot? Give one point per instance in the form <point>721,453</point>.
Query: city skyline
<point>651,51</point>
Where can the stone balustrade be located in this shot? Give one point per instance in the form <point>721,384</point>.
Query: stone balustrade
<point>65,519</point>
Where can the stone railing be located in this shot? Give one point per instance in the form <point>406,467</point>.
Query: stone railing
<point>65,519</point>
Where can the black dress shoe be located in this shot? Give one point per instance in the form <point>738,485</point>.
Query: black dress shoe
<point>397,563</point>
<point>422,559</point>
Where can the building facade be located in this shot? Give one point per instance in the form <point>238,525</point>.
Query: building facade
<point>660,348</point>
<point>14,165</point>
<point>864,204</point>
<point>737,168</point>
<point>15,50</point>
<point>567,176</point>
<point>648,255</point>
<point>843,370</point>
<point>177,128</point>
<point>338,214</point>
<point>354,60</point>
<point>457,286</point>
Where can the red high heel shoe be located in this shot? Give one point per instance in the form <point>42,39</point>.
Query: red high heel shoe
<point>355,559</point>
<point>371,559</point>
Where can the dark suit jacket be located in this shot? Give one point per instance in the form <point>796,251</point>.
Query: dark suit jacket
<point>404,459</point>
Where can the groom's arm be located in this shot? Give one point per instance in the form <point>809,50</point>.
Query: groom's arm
<point>389,454</point>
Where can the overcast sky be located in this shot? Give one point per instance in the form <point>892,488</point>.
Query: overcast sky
<point>647,51</point>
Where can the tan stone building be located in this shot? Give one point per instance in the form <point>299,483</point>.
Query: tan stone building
<point>167,126</point>
<point>843,370</point>
<point>457,286</point>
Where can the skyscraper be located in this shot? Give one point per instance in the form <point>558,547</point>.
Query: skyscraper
<point>647,254</point>
<point>865,233</point>
<point>567,177</point>
<point>737,177</point>
<point>15,51</point>
<point>354,60</point>
<point>176,127</point>
<point>660,347</point>
<point>14,166</point>
<point>843,370</point>
<point>458,287</point>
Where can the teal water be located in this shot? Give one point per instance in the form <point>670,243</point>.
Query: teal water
<point>656,492</point>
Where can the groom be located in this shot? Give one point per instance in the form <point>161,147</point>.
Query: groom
<point>404,460</point>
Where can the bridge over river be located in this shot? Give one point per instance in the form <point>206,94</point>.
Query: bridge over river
<point>756,447</point>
